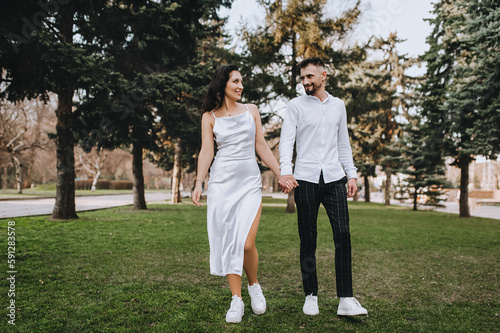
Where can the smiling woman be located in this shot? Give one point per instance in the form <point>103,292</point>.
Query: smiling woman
<point>234,200</point>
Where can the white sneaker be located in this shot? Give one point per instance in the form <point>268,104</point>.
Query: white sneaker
<point>349,306</point>
<point>311,305</point>
<point>258,299</point>
<point>236,310</point>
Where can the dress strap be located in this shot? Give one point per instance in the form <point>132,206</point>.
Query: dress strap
<point>213,114</point>
<point>246,105</point>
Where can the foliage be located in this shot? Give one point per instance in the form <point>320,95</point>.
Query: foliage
<point>423,165</point>
<point>461,87</point>
<point>294,30</point>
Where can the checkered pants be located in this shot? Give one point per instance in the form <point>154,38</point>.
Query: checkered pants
<point>333,196</point>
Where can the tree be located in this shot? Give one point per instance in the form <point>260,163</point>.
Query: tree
<point>423,164</point>
<point>178,106</point>
<point>152,49</point>
<point>44,55</point>
<point>21,134</point>
<point>461,87</point>
<point>293,31</point>
<point>92,163</point>
<point>379,91</point>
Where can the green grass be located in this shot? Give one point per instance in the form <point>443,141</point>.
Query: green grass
<point>120,270</point>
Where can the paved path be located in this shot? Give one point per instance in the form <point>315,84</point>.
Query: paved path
<point>477,210</point>
<point>31,207</point>
<point>492,212</point>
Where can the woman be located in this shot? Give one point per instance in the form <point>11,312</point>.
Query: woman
<point>234,201</point>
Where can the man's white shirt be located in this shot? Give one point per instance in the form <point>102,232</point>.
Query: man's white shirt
<point>320,130</point>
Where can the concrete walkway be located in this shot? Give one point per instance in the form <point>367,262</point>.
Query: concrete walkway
<point>477,210</point>
<point>31,207</point>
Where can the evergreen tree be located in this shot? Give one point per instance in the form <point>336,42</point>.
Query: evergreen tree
<point>424,166</point>
<point>178,131</point>
<point>154,49</point>
<point>461,87</point>
<point>111,53</point>
<point>42,50</point>
<point>379,91</point>
<point>293,31</point>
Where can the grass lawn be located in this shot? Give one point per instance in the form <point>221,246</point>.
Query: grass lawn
<point>120,270</point>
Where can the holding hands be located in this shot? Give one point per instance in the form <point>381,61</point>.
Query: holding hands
<point>287,183</point>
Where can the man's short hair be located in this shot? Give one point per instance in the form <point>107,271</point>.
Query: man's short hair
<point>312,61</point>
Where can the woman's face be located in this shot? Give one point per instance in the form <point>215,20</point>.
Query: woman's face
<point>234,86</point>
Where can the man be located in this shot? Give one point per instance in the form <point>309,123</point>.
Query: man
<point>317,123</point>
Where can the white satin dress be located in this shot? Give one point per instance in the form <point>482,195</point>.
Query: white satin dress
<point>234,192</point>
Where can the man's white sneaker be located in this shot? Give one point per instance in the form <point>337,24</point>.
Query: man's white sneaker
<point>349,306</point>
<point>236,310</point>
<point>258,299</point>
<point>311,305</point>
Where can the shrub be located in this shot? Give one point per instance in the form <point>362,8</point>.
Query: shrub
<point>104,184</point>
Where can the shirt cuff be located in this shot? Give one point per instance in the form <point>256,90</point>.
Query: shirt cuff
<point>352,174</point>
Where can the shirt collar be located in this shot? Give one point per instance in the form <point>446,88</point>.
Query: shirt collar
<point>318,100</point>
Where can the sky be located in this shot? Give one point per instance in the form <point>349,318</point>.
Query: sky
<point>381,18</point>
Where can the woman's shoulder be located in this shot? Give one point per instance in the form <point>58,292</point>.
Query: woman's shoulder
<point>208,116</point>
<point>252,108</point>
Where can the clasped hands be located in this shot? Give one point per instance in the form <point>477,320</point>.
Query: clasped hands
<point>287,183</point>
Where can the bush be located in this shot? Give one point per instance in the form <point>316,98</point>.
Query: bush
<point>104,184</point>
<point>121,185</point>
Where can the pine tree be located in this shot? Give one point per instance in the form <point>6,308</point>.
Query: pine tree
<point>293,31</point>
<point>461,87</point>
<point>424,166</point>
<point>42,51</point>
<point>153,50</point>
<point>379,91</point>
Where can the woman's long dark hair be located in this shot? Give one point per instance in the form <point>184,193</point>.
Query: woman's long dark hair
<point>214,97</point>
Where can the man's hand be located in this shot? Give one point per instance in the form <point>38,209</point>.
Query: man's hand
<point>352,187</point>
<point>287,183</point>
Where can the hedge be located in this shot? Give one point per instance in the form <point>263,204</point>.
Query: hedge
<point>104,184</point>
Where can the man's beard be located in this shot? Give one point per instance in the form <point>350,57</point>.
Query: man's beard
<point>311,91</point>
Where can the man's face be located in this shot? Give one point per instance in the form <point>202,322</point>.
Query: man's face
<point>313,78</point>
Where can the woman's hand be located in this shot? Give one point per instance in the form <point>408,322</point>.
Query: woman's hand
<point>196,195</point>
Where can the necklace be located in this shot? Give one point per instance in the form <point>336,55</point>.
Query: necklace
<point>227,111</point>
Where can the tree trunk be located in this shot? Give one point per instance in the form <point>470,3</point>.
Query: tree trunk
<point>94,182</point>
<point>367,189</point>
<point>463,164</point>
<point>19,174</point>
<point>139,198</point>
<point>387,190</point>
<point>64,207</point>
<point>415,196</point>
<point>177,173</point>
<point>4,178</point>
<point>290,202</point>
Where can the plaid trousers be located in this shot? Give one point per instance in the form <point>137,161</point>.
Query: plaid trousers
<point>333,196</point>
